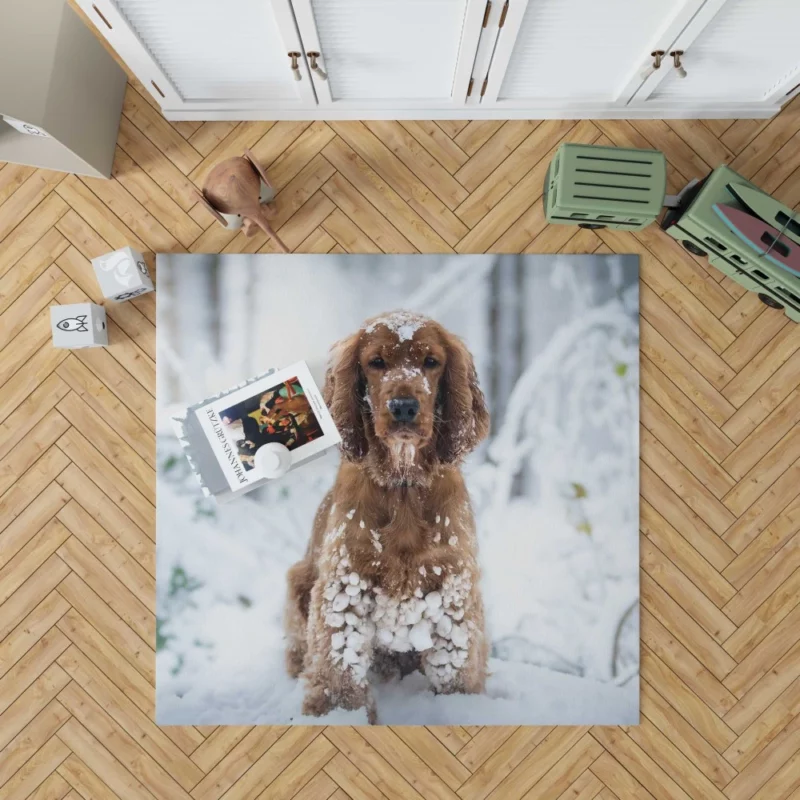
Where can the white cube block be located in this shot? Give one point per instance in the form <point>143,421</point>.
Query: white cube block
<point>78,325</point>
<point>122,274</point>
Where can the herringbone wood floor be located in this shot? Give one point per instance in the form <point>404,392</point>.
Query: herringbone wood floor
<point>720,468</point>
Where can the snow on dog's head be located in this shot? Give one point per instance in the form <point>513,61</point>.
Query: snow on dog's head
<point>404,393</point>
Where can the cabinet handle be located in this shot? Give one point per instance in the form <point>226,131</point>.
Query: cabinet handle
<point>312,57</point>
<point>295,66</point>
<point>676,60</point>
<point>657,55</point>
<point>102,17</point>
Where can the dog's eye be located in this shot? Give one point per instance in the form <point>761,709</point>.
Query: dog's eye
<point>377,363</point>
<point>430,362</point>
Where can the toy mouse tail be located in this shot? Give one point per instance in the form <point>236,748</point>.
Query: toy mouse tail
<point>263,223</point>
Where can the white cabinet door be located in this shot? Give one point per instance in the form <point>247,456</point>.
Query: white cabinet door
<point>390,54</point>
<point>207,55</point>
<point>735,51</point>
<point>568,54</point>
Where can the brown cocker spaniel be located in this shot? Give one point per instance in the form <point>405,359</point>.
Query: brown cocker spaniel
<point>389,582</point>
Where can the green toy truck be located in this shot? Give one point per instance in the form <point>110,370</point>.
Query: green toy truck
<point>701,231</point>
<point>613,187</point>
<point>605,187</point>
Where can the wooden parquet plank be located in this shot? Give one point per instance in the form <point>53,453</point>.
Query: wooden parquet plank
<point>475,134</point>
<point>687,415</point>
<point>351,782</point>
<point>29,268</point>
<point>295,777</point>
<point>36,770</point>
<point>767,508</point>
<point>129,718</point>
<point>402,755</point>
<point>25,199</point>
<point>31,629</point>
<point>119,743</point>
<point>93,572</point>
<point>437,143</point>
<point>682,735</point>
<point>30,231</point>
<point>680,553</point>
<point>491,154</point>
<point>503,762</point>
<point>97,215</point>
<point>147,119</point>
<point>720,511</point>
<point>237,762</point>
<point>31,738</point>
<point>497,218</point>
<point>686,449</point>
<point>777,425</point>
<point>682,625</point>
<point>12,176</point>
<point>393,189</point>
<point>501,180</point>
<point>763,402</point>
<point>92,770</point>
<point>372,764</point>
<point>160,169</point>
<point>298,153</point>
<point>620,782</point>
<point>208,135</point>
<point>667,304</point>
<point>679,587</point>
<point>109,624</point>
<point>426,168</point>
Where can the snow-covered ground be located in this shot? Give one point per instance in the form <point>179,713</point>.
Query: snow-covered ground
<point>555,493</point>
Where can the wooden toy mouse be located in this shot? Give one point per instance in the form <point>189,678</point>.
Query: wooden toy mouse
<point>233,189</point>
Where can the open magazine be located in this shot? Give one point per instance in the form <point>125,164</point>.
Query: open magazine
<point>222,434</point>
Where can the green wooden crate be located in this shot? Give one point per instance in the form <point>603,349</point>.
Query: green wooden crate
<point>698,227</point>
<point>605,187</point>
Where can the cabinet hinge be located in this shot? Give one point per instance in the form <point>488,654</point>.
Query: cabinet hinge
<point>483,88</point>
<point>503,15</point>
<point>487,12</point>
<point>469,88</point>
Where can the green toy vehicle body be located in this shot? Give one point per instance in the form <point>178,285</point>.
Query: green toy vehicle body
<point>696,225</point>
<point>605,187</point>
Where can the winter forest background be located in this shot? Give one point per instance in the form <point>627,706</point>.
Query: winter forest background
<point>555,488</point>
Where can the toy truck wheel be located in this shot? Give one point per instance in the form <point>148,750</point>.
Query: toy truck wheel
<point>592,226</point>
<point>693,248</point>
<point>769,301</point>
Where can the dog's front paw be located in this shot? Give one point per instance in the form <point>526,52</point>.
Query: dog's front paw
<point>294,661</point>
<point>317,702</point>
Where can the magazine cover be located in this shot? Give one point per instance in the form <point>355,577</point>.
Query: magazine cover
<point>284,407</point>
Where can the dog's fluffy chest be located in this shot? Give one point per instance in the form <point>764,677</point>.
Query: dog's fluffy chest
<point>414,623</point>
<point>364,616</point>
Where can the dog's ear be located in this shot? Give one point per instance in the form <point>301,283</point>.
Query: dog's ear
<point>463,416</point>
<point>344,395</point>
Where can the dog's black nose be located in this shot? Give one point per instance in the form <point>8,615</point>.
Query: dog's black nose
<point>404,409</point>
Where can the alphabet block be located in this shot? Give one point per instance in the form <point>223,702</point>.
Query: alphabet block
<point>78,325</point>
<point>122,274</point>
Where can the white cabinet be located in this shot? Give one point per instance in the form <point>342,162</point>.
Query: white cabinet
<point>576,53</point>
<point>735,51</point>
<point>205,55</point>
<point>390,54</point>
<point>339,59</point>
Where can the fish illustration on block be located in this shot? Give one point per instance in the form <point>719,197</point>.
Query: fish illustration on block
<point>763,238</point>
<point>74,324</point>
